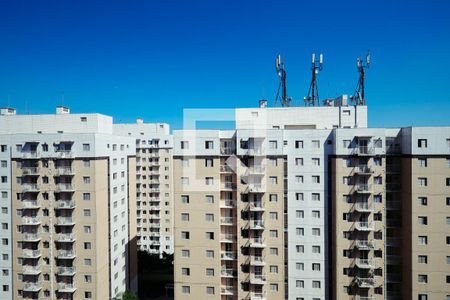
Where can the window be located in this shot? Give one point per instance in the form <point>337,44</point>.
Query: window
<point>87,229</point>
<point>86,196</point>
<point>273,233</point>
<point>184,180</point>
<point>87,295</point>
<point>316,284</point>
<point>4,148</point>
<point>422,201</point>
<point>422,278</point>
<point>422,143</point>
<point>316,267</point>
<point>315,214</point>
<point>299,178</point>
<point>422,162</point>
<point>299,284</point>
<point>87,245</point>
<point>274,251</point>
<point>185,217</point>
<point>273,215</point>
<point>274,287</point>
<point>423,297</point>
<point>209,253</point>
<point>378,143</point>
<point>185,199</point>
<point>422,181</point>
<point>347,180</point>
<point>316,161</point>
<point>300,248</point>
<point>273,145</point>
<point>209,217</point>
<point>185,253</point>
<point>447,220</point>
<point>184,145</point>
<point>422,259</point>
<point>273,198</point>
<point>273,162</point>
<point>273,179</point>
<point>300,231</point>
<point>273,269</point>
<point>209,272</point>
<point>447,181</point>
<point>299,161</point>
<point>423,220</point>
<point>209,235</point>
<point>209,145</point>
<point>185,289</point>
<point>86,179</point>
<point>4,164</point>
<point>87,262</point>
<point>209,199</point>
<point>315,231</point>
<point>185,271</point>
<point>86,147</point>
<point>378,180</point>
<point>299,196</point>
<point>185,162</point>
<point>423,240</point>
<point>300,266</point>
<point>298,144</point>
<point>316,144</point>
<point>209,180</point>
<point>185,235</point>
<point>209,162</point>
<point>87,212</point>
<point>315,179</point>
<point>300,214</point>
<point>315,197</point>
<point>315,249</point>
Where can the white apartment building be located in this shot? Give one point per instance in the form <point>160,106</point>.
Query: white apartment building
<point>68,194</point>
<point>154,184</point>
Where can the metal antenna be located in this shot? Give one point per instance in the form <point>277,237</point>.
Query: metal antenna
<point>281,72</point>
<point>359,97</point>
<point>313,92</point>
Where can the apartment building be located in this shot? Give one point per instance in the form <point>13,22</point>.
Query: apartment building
<point>251,204</point>
<point>68,207</point>
<point>154,184</point>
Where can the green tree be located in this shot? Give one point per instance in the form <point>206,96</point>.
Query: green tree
<point>127,295</point>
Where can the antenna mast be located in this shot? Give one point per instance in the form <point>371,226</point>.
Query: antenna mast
<point>281,72</point>
<point>313,92</point>
<point>359,97</point>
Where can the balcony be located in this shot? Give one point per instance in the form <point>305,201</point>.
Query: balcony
<point>364,244</point>
<point>227,203</point>
<point>226,169</point>
<point>226,151</point>
<point>257,279</point>
<point>31,270</point>
<point>64,187</point>
<point>256,206</point>
<point>363,207</point>
<point>226,221</point>
<point>65,254</point>
<point>363,188</point>
<point>257,260</point>
<point>227,290</point>
<point>65,204</point>
<point>64,154</point>
<point>31,287</point>
<point>31,237</point>
<point>30,204</point>
<point>65,221</point>
<point>363,151</point>
<point>364,226</point>
<point>154,190</point>
<point>28,253</point>
<point>64,171</point>
<point>30,221</point>
<point>257,296</point>
<point>227,255</point>
<point>228,186</point>
<point>30,171</point>
<point>227,273</point>
<point>66,287</point>
<point>65,237</point>
<point>255,188</point>
<point>30,154</point>
<point>363,170</point>
<point>257,242</point>
<point>227,238</point>
<point>257,225</point>
<point>363,263</point>
<point>65,271</point>
<point>30,188</point>
<point>364,282</point>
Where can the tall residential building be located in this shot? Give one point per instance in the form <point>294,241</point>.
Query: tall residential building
<point>308,203</point>
<point>251,210</point>
<point>67,207</point>
<point>154,184</point>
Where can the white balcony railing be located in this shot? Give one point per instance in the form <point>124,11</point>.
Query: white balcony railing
<point>226,220</point>
<point>227,255</point>
<point>64,221</point>
<point>30,221</point>
<point>364,226</point>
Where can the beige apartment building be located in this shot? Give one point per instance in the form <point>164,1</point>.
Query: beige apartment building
<point>72,206</point>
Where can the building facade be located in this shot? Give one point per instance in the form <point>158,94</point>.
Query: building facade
<point>70,198</point>
<point>154,184</point>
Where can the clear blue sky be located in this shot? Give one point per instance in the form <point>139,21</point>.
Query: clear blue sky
<point>151,59</point>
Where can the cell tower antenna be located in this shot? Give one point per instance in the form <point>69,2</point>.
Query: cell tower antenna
<point>281,72</point>
<point>313,93</point>
<point>359,97</point>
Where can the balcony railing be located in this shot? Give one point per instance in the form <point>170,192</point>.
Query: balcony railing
<point>30,154</point>
<point>31,204</point>
<point>227,273</point>
<point>226,290</point>
<point>257,242</point>
<point>227,203</point>
<point>30,187</point>
<point>64,187</point>
<point>31,270</point>
<point>65,237</point>
<point>66,287</point>
<point>61,171</point>
<point>30,221</point>
<point>363,169</point>
<point>226,169</point>
<point>365,282</point>
<point>257,296</point>
<point>364,226</point>
<point>255,188</point>
<point>31,237</point>
<point>227,255</point>
<point>257,279</point>
<point>364,244</point>
<point>257,224</point>
<point>66,254</point>
<point>64,153</point>
<point>31,287</point>
<point>65,221</point>
<point>363,188</point>
<point>65,271</point>
<point>364,263</point>
<point>226,151</point>
<point>30,171</point>
<point>28,253</point>
<point>228,186</point>
<point>256,206</point>
<point>226,220</point>
<point>363,207</point>
<point>65,204</point>
<point>257,260</point>
<point>227,238</point>
<point>363,150</point>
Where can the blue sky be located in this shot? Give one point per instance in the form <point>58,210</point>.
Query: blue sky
<point>151,59</point>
